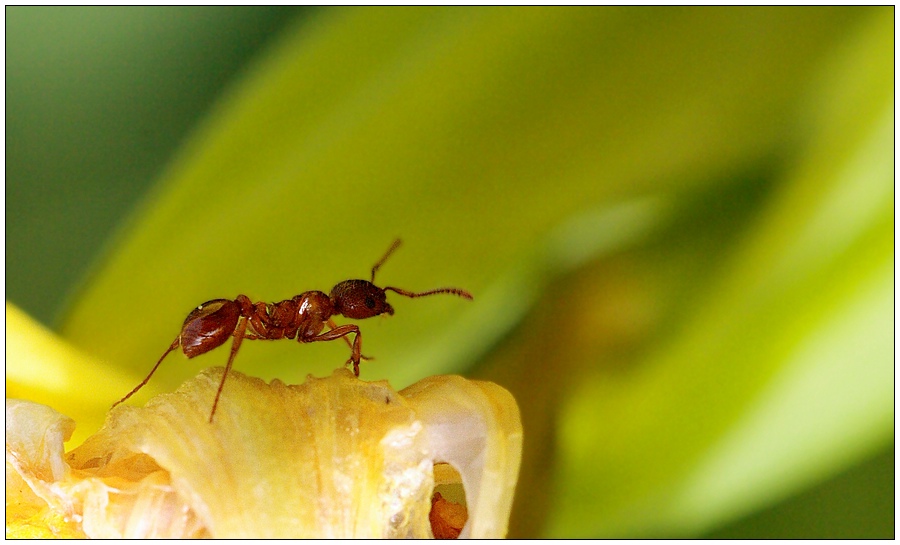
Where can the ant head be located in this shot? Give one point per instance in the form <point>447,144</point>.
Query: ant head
<point>359,299</point>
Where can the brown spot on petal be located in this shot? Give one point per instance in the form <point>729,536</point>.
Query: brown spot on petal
<point>447,518</point>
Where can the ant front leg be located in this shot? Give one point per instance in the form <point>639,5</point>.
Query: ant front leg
<point>334,326</point>
<point>338,332</point>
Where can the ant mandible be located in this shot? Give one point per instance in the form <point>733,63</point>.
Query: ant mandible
<point>304,317</point>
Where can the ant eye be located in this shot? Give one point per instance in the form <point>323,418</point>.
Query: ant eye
<point>370,303</point>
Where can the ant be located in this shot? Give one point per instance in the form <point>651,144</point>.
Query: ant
<point>304,317</point>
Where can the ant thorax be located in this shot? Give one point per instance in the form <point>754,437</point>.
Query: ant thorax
<point>313,309</point>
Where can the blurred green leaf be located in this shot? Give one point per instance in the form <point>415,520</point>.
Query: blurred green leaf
<point>783,373</point>
<point>558,163</point>
<point>98,98</point>
<point>466,132</point>
<point>853,504</point>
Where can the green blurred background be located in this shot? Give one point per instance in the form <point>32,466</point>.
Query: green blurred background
<point>677,222</point>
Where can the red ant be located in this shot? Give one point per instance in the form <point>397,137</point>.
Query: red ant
<point>304,317</point>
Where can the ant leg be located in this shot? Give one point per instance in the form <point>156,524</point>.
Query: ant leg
<point>258,328</point>
<point>175,344</point>
<point>238,337</point>
<point>334,326</point>
<point>250,312</point>
<point>341,331</point>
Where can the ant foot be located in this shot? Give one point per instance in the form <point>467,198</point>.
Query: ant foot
<point>355,366</point>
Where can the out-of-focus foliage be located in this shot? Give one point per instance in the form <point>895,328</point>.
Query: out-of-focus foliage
<point>43,368</point>
<point>677,224</point>
<point>97,101</point>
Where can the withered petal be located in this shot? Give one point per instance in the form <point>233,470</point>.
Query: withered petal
<point>333,457</point>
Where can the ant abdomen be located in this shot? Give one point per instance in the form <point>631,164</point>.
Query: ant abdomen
<point>209,326</point>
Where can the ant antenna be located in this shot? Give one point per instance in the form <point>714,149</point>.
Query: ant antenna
<point>455,291</point>
<point>387,254</point>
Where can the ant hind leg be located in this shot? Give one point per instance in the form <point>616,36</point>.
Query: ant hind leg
<point>238,337</point>
<point>174,345</point>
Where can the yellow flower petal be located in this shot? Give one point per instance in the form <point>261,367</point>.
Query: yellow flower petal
<point>34,447</point>
<point>42,367</point>
<point>334,457</point>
